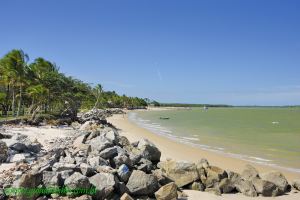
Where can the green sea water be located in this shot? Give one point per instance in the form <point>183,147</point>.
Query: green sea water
<point>269,136</point>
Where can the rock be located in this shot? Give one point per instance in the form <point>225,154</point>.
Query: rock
<point>104,183</point>
<point>89,126</point>
<point>121,188</point>
<point>79,141</point>
<point>296,184</point>
<point>141,183</point>
<point>106,169</point>
<point>97,161</point>
<point>76,181</point>
<point>86,169</point>
<point>100,143</point>
<point>52,179</point>
<point>59,166</point>
<point>32,179</point>
<point>126,197</point>
<point>111,134</point>
<point>34,147</point>
<point>182,173</point>
<point>2,194</point>
<point>203,163</point>
<point>122,159</point>
<point>249,173</point>
<point>123,141</point>
<point>109,153</point>
<point>226,186</point>
<point>124,173</point>
<point>265,188</point>
<point>198,186</point>
<point>245,187</point>
<point>214,191</point>
<point>3,151</point>
<point>149,150</point>
<point>162,180</point>
<point>19,147</point>
<point>214,175</point>
<point>278,179</point>
<point>20,157</point>
<point>65,174</point>
<point>167,192</point>
<point>145,165</point>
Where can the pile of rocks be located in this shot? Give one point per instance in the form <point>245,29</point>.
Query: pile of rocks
<point>98,114</point>
<point>97,157</point>
<point>18,148</point>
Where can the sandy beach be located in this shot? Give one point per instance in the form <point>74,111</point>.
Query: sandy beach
<point>178,151</point>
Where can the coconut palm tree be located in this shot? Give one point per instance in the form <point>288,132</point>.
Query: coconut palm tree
<point>97,91</point>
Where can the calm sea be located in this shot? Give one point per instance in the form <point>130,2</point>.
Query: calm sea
<point>269,136</point>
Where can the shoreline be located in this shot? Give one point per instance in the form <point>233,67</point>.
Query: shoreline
<point>180,151</point>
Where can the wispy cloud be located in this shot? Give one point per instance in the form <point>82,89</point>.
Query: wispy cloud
<point>119,84</point>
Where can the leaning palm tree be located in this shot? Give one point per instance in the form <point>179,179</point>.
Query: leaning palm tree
<point>97,92</point>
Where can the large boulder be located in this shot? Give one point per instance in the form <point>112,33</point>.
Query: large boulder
<point>167,192</point>
<point>265,188</point>
<point>76,181</point>
<point>3,151</point>
<point>278,179</point>
<point>245,187</point>
<point>60,166</point>
<point>100,143</point>
<point>52,179</point>
<point>86,169</point>
<point>182,173</point>
<point>249,173</point>
<point>214,175</point>
<point>141,183</point>
<point>109,152</point>
<point>226,186</point>
<point>124,173</point>
<point>149,150</point>
<point>104,183</point>
<point>296,184</point>
<point>89,126</point>
<point>96,162</point>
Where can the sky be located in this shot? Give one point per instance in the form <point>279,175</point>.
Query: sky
<point>238,52</point>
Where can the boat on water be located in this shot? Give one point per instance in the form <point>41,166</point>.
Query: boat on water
<point>164,118</point>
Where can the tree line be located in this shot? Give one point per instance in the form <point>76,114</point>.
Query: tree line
<point>39,87</point>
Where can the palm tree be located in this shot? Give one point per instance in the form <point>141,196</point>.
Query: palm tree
<point>14,64</point>
<point>97,92</point>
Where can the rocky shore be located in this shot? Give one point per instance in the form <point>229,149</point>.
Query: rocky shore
<point>97,158</point>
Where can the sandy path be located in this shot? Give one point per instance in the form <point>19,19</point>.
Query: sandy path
<point>179,151</point>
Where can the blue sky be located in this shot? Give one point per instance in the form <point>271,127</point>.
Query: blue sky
<point>241,52</point>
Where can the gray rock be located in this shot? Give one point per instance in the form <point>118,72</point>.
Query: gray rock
<point>100,143</point>
<point>106,169</point>
<point>182,173</point>
<point>198,186</point>
<point>265,188</point>
<point>203,163</point>
<point>141,183</point>
<point>167,192</point>
<point>66,174</point>
<point>226,186</point>
<point>245,187</point>
<point>123,141</point>
<point>122,159</point>
<point>111,134</point>
<point>296,184</point>
<point>109,153</point>
<point>20,157</point>
<point>96,162</point>
<point>214,175</point>
<point>104,183</point>
<point>145,165</point>
<point>121,188</point>
<point>34,147</point>
<point>278,179</point>
<point>52,179</point>
<point>31,179</point>
<point>86,169</point>
<point>249,173</point>
<point>59,166</point>
<point>19,147</point>
<point>124,173</point>
<point>162,180</point>
<point>149,150</point>
<point>76,181</point>
<point>3,151</point>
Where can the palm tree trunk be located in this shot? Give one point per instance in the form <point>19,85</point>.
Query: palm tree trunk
<point>13,103</point>
<point>20,101</point>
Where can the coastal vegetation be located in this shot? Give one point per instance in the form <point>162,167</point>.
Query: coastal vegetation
<point>30,88</point>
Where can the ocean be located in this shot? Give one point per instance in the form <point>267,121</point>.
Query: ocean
<point>269,136</point>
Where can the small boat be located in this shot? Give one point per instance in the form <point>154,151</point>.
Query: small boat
<point>164,118</point>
